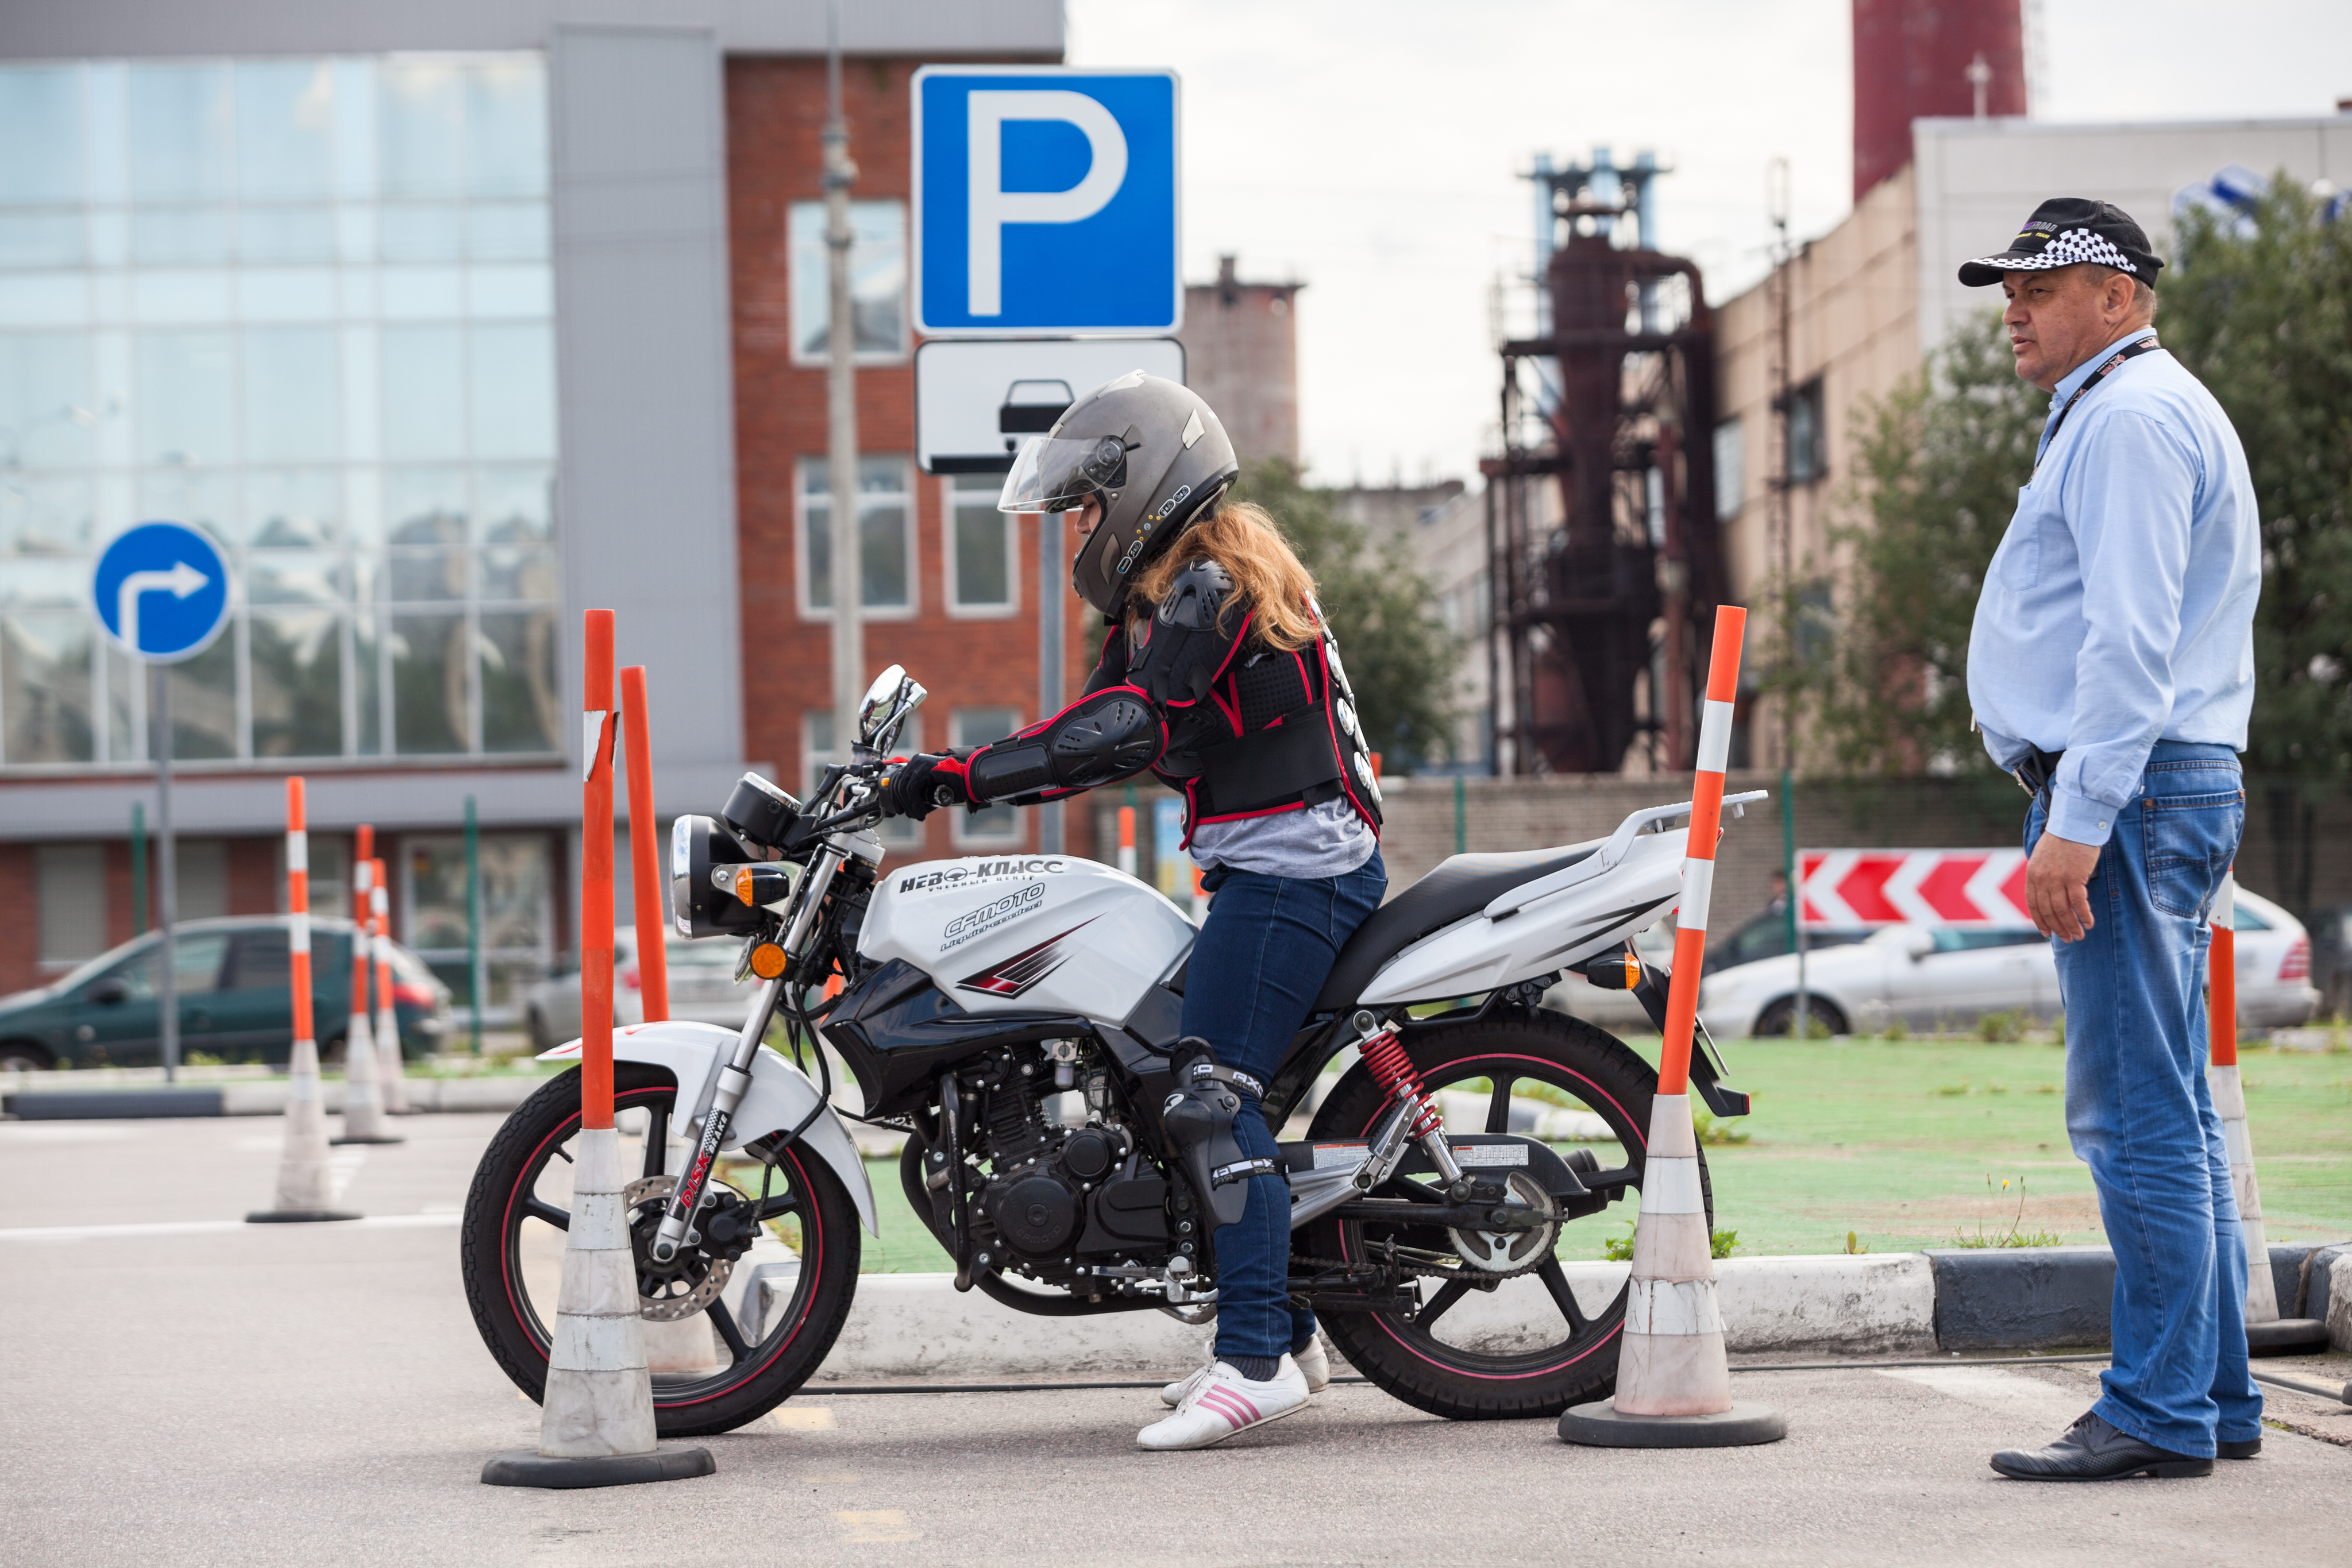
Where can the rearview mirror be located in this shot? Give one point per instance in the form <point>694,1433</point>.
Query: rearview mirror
<point>889,702</point>
<point>112,991</point>
<point>1918,943</point>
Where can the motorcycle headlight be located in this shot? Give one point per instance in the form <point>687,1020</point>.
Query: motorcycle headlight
<point>703,859</point>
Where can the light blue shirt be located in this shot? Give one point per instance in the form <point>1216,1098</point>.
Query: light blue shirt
<point>2119,610</point>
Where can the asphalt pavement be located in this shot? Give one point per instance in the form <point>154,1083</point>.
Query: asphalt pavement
<point>177,1387</point>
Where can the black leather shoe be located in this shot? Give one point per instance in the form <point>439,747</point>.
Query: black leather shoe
<point>2246,1449</point>
<point>2091,1450</point>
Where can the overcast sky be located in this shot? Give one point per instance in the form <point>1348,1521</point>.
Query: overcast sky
<point>1372,149</point>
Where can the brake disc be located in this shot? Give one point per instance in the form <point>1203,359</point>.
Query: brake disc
<point>1503,1253</point>
<point>685,1284</point>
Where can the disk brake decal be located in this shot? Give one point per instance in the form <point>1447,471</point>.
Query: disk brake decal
<point>1025,968</point>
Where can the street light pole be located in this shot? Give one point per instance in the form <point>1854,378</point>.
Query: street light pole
<point>840,386</point>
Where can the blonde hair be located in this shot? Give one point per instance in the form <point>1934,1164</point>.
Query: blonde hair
<point>1269,582</point>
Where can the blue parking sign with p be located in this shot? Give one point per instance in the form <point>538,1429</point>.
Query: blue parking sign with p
<point>1046,202</point>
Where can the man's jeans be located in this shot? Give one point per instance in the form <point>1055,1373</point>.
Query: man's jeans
<point>1266,951</point>
<point>2140,1114</point>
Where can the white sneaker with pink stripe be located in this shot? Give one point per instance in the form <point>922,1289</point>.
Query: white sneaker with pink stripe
<point>1223,1402</point>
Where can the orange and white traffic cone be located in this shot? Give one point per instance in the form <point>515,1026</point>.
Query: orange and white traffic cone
<point>2266,1332</point>
<point>305,1183</point>
<point>363,1096</point>
<point>596,1419</point>
<point>1674,1380</point>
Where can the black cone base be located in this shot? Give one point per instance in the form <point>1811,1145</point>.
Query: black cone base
<point>296,1216</point>
<point>2284,1334</point>
<point>1603,1425</point>
<point>374,1138</point>
<point>529,1468</point>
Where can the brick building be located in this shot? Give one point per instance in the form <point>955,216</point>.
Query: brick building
<point>451,322</point>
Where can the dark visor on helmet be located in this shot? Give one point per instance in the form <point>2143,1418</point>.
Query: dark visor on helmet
<point>1053,475</point>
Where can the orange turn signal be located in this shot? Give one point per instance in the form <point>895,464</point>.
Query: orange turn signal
<point>767,960</point>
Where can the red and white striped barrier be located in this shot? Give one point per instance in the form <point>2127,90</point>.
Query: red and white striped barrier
<point>305,1183</point>
<point>1673,1380</point>
<point>390,1079</point>
<point>1844,889</point>
<point>362,1093</point>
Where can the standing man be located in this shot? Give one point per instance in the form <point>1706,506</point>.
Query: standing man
<point>2112,671</point>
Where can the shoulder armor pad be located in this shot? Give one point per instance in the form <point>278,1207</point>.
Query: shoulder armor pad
<point>1194,596</point>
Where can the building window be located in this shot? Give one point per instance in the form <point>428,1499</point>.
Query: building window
<point>306,305</point>
<point>816,750</point>
<point>877,282</point>
<point>978,727</point>
<point>1806,457</point>
<point>1730,470</point>
<point>70,883</point>
<point>518,912</point>
<point>885,517</point>
<point>984,547</point>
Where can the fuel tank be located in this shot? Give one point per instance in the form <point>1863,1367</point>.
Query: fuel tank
<point>1028,933</point>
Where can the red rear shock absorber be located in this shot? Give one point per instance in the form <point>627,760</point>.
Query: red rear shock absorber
<point>1384,1055</point>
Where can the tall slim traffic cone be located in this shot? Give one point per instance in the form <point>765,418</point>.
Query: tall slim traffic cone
<point>363,1099</point>
<point>596,1419</point>
<point>1673,1382</point>
<point>305,1184</point>
<point>2266,1332</point>
<point>389,1056</point>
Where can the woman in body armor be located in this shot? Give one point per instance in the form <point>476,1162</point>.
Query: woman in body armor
<point>1218,674</point>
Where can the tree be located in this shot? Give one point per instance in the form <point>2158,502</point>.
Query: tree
<point>1938,464</point>
<point>2262,312</point>
<point>1401,659</point>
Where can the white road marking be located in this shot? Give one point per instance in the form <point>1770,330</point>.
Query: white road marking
<point>218,1228</point>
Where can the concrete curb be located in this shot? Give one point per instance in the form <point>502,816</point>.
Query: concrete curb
<point>916,1325</point>
<point>266,1097</point>
<point>2042,1297</point>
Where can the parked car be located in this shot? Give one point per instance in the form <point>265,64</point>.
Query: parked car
<point>1935,976</point>
<point>1767,937</point>
<point>701,987</point>
<point>235,1002</point>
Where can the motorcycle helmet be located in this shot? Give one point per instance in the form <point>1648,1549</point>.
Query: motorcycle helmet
<point>1153,453</point>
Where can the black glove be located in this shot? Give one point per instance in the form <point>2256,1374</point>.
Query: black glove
<point>923,783</point>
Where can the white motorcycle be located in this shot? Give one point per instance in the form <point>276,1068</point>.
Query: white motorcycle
<point>1017,1017</point>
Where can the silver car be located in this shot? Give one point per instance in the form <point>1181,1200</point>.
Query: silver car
<point>1932,977</point>
<point>701,987</point>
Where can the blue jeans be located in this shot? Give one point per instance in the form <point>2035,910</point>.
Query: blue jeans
<point>1266,950</point>
<point>2140,1115</point>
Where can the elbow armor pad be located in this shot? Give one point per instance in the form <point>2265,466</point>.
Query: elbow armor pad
<point>1103,736</point>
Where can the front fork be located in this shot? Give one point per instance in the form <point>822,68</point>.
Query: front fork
<point>677,1228</point>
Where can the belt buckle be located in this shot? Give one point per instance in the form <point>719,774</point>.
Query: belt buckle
<point>2032,790</point>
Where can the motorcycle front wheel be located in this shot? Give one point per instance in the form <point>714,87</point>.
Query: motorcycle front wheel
<point>738,1354</point>
<point>1512,1338</point>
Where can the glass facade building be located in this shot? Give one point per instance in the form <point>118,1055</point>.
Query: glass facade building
<point>307,305</point>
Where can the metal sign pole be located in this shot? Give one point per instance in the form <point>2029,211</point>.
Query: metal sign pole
<point>167,983</point>
<point>1049,657</point>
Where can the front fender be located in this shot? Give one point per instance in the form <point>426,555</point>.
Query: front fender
<point>780,1096</point>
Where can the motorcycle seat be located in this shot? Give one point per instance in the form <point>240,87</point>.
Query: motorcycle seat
<point>1460,886</point>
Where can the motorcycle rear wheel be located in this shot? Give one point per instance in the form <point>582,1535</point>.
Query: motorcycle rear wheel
<point>1530,1347</point>
<point>514,1223</point>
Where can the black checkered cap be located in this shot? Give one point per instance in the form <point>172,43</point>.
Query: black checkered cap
<point>2064,231</point>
